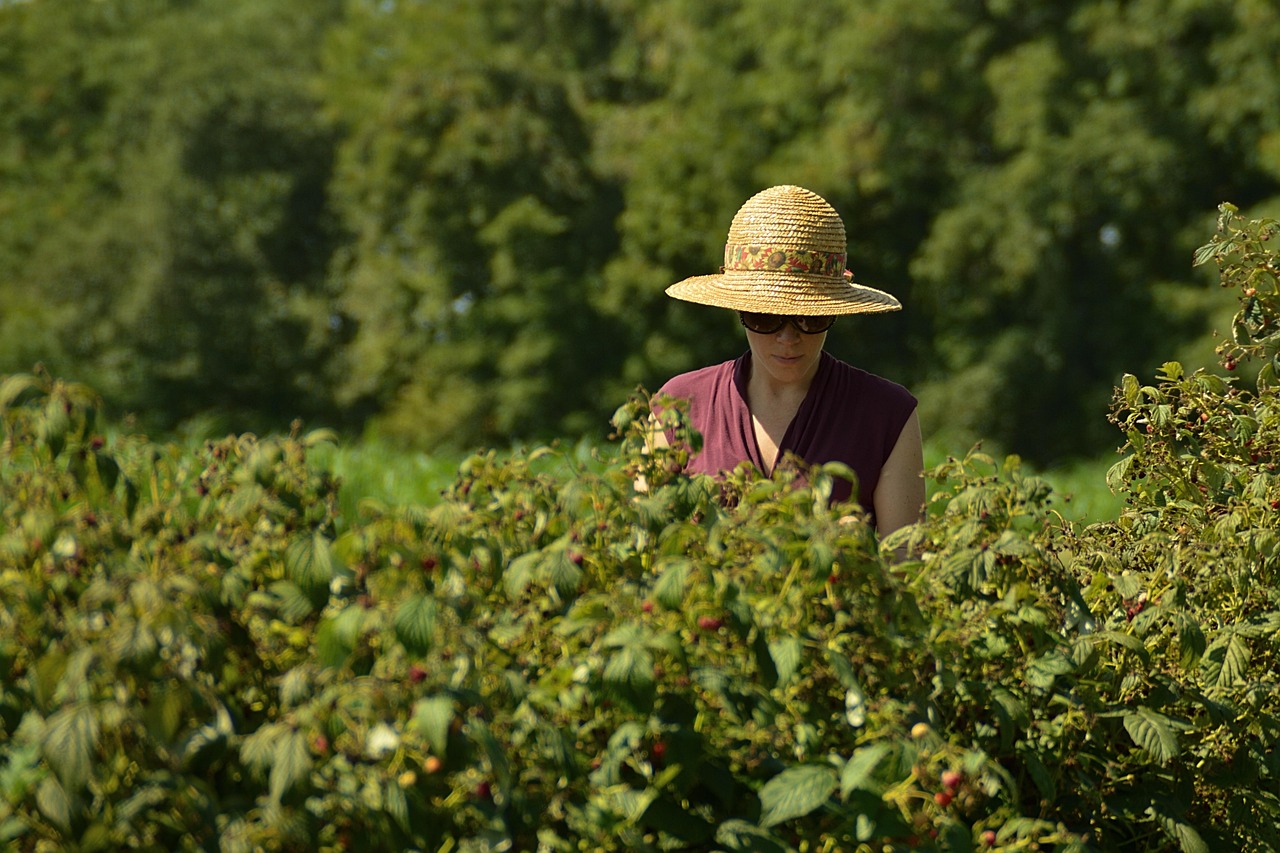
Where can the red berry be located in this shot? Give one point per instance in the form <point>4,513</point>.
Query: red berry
<point>943,798</point>
<point>1229,364</point>
<point>989,838</point>
<point>96,442</point>
<point>647,606</point>
<point>417,674</point>
<point>321,744</point>
<point>428,563</point>
<point>575,557</point>
<point>709,623</point>
<point>432,764</point>
<point>659,752</point>
<point>483,790</point>
<point>951,779</point>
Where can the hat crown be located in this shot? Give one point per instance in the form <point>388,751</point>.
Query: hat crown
<point>791,217</point>
<point>786,254</point>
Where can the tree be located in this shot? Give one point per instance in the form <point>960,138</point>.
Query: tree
<point>177,227</point>
<point>479,226</point>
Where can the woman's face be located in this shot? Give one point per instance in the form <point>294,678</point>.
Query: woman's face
<point>787,356</point>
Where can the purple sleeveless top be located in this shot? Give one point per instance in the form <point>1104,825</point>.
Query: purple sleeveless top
<point>848,415</point>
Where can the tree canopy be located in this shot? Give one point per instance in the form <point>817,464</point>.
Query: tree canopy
<point>453,222</point>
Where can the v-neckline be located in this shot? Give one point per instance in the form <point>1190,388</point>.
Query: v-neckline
<point>742,380</point>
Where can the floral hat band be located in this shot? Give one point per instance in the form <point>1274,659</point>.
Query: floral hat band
<point>786,254</point>
<point>743,257</point>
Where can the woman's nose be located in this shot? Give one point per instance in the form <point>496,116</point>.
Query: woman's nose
<point>788,332</point>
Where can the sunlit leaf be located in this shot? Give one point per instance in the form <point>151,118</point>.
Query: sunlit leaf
<point>1152,732</point>
<point>415,623</point>
<point>859,768</point>
<point>796,792</point>
<point>70,738</point>
<point>432,717</point>
<point>290,763</point>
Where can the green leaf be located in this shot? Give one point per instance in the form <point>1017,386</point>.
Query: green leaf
<point>397,805</point>
<point>415,623</point>
<point>521,572</point>
<point>310,564</point>
<point>564,575</point>
<point>70,737</point>
<point>670,588</point>
<point>786,654</point>
<point>1226,660</point>
<point>54,804</point>
<point>1235,663</point>
<point>290,763</point>
<point>336,635</point>
<point>1129,384</point>
<point>257,750</point>
<point>796,792</point>
<point>295,686</point>
<point>1039,774</point>
<point>629,672</point>
<point>1179,830</point>
<point>294,604</point>
<point>167,711</point>
<point>1191,640</point>
<point>1152,732</point>
<point>432,717</point>
<point>1045,669</point>
<point>15,387</point>
<point>1126,641</point>
<point>55,424</point>
<point>860,767</point>
<point>739,836</point>
<point>1118,475</point>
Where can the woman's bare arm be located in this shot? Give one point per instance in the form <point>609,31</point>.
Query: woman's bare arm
<point>899,496</point>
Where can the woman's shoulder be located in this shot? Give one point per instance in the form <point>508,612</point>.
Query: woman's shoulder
<point>689,383</point>
<point>865,382</point>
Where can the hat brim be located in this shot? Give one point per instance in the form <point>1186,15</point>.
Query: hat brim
<point>790,293</point>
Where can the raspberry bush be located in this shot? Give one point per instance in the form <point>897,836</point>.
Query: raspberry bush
<point>199,651</point>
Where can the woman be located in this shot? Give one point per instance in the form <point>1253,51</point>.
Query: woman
<point>785,275</point>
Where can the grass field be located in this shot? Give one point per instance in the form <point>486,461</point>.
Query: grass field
<point>373,471</point>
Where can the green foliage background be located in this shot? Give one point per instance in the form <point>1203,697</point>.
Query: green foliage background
<point>452,221</point>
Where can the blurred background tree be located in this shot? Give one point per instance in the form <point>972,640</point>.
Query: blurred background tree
<point>451,223</point>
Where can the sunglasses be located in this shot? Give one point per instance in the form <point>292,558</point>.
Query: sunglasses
<point>767,324</point>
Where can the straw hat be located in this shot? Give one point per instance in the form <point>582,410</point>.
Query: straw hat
<point>785,255</point>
